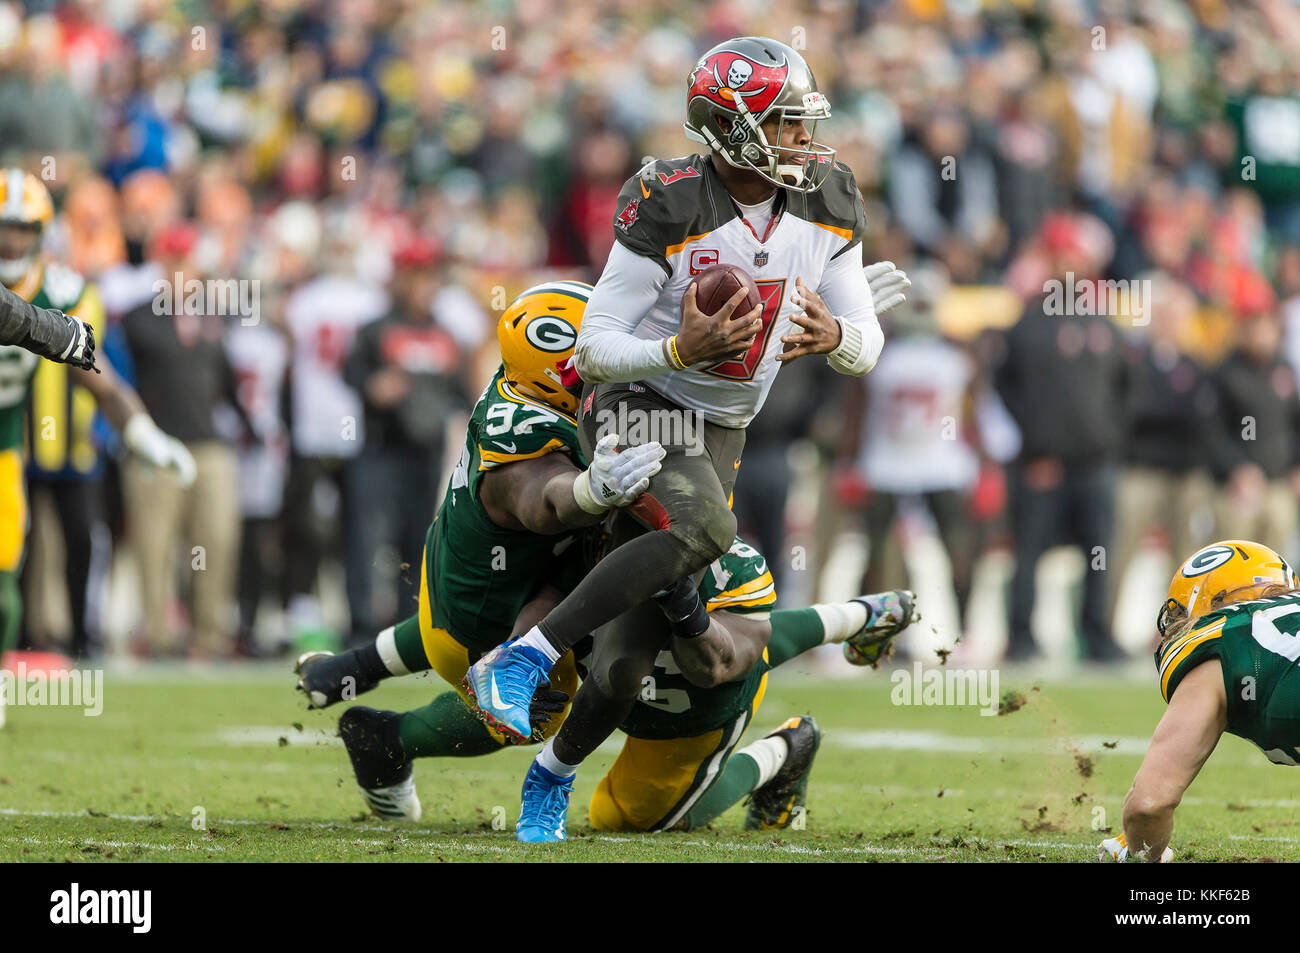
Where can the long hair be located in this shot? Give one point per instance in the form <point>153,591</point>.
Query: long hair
<point>1180,627</point>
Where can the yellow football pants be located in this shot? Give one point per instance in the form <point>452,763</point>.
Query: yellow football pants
<point>654,784</point>
<point>450,660</point>
<point>13,511</point>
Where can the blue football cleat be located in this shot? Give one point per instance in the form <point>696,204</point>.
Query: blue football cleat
<point>502,684</point>
<point>545,806</point>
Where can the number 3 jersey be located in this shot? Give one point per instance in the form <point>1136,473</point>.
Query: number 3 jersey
<point>1257,643</point>
<point>479,574</point>
<point>677,213</point>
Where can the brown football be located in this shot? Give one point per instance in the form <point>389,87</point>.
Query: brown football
<point>715,285</point>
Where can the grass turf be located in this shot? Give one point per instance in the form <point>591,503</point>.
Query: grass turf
<point>226,765</point>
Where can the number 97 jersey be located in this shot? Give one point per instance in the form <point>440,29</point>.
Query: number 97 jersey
<point>1258,644</point>
<point>479,574</point>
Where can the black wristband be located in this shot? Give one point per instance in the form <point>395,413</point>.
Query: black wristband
<point>682,607</point>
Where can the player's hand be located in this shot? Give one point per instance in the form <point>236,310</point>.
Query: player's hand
<point>888,285</point>
<point>80,351</point>
<point>1116,849</point>
<point>819,330</point>
<point>143,438</point>
<point>614,478</point>
<point>546,702</point>
<point>715,337</point>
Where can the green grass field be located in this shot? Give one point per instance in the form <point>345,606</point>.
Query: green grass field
<point>234,748</point>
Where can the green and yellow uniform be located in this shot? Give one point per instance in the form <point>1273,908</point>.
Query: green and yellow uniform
<point>62,429</point>
<point>477,575</point>
<point>1257,644</point>
<point>680,735</point>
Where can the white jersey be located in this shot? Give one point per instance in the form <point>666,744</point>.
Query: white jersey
<point>677,219</point>
<point>323,317</point>
<point>259,355</point>
<point>912,440</point>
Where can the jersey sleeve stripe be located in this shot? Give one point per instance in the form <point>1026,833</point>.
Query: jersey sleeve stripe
<point>763,597</point>
<point>844,233</point>
<point>674,249</point>
<point>489,459</point>
<point>758,582</point>
<point>1174,659</point>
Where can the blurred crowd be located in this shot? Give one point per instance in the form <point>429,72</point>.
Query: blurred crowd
<point>389,173</point>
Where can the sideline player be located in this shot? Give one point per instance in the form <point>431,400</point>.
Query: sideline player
<point>1229,642</point>
<point>25,211</point>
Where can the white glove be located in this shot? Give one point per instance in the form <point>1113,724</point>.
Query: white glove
<point>1116,849</point>
<point>143,438</point>
<point>887,285</point>
<point>616,479</point>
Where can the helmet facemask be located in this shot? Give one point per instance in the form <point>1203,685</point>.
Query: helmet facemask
<point>747,146</point>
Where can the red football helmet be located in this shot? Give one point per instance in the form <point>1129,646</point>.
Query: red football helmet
<point>738,85</point>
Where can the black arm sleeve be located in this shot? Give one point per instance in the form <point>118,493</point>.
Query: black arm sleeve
<point>47,333</point>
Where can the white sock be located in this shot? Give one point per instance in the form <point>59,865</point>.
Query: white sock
<point>534,639</point>
<point>769,754</point>
<point>386,645</point>
<point>841,619</point>
<point>547,759</point>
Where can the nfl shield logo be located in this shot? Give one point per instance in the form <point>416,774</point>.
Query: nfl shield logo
<point>760,259</point>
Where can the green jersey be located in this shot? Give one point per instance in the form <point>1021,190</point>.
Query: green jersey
<point>1257,643</point>
<point>671,707</point>
<point>54,287</point>
<point>479,574</point>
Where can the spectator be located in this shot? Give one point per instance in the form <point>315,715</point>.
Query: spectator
<point>182,374</point>
<point>406,367</point>
<point>1062,377</point>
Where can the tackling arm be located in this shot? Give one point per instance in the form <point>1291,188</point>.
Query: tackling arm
<point>1191,727</point>
<point>535,495</point>
<point>549,495</point>
<point>728,649</point>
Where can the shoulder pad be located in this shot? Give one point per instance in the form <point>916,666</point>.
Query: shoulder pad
<point>666,202</point>
<point>837,206</point>
<point>522,429</point>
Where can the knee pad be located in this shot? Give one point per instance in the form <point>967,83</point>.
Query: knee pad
<point>708,533</point>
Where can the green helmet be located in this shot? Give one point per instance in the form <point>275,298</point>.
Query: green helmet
<point>738,85</point>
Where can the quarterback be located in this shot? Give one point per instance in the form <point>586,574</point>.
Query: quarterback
<point>768,198</point>
<point>1229,642</point>
<point>47,287</point>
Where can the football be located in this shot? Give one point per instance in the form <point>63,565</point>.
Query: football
<point>715,285</point>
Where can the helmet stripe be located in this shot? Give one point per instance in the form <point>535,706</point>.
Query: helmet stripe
<point>567,289</point>
<point>13,210</point>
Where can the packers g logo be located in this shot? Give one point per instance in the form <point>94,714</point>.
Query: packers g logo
<point>1207,560</point>
<point>554,335</point>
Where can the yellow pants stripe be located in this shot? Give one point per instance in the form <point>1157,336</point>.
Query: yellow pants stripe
<point>13,511</point>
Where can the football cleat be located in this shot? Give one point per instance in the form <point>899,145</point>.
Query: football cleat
<point>545,806</point>
<point>384,775</point>
<point>775,805</point>
<point>888,613</point>
<point>326,678</point>
<point>1116,849</point>
<point>502,684</point>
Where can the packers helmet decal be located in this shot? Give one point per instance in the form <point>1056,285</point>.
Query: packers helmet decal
<point>1226,572</point>
<point>537,333</point>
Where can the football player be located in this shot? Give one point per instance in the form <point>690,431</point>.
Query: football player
<point>48,287</point>
<point>505,531</point>
<point>1227,661</point>
<point>766,197</point>
<point>679,767</point>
